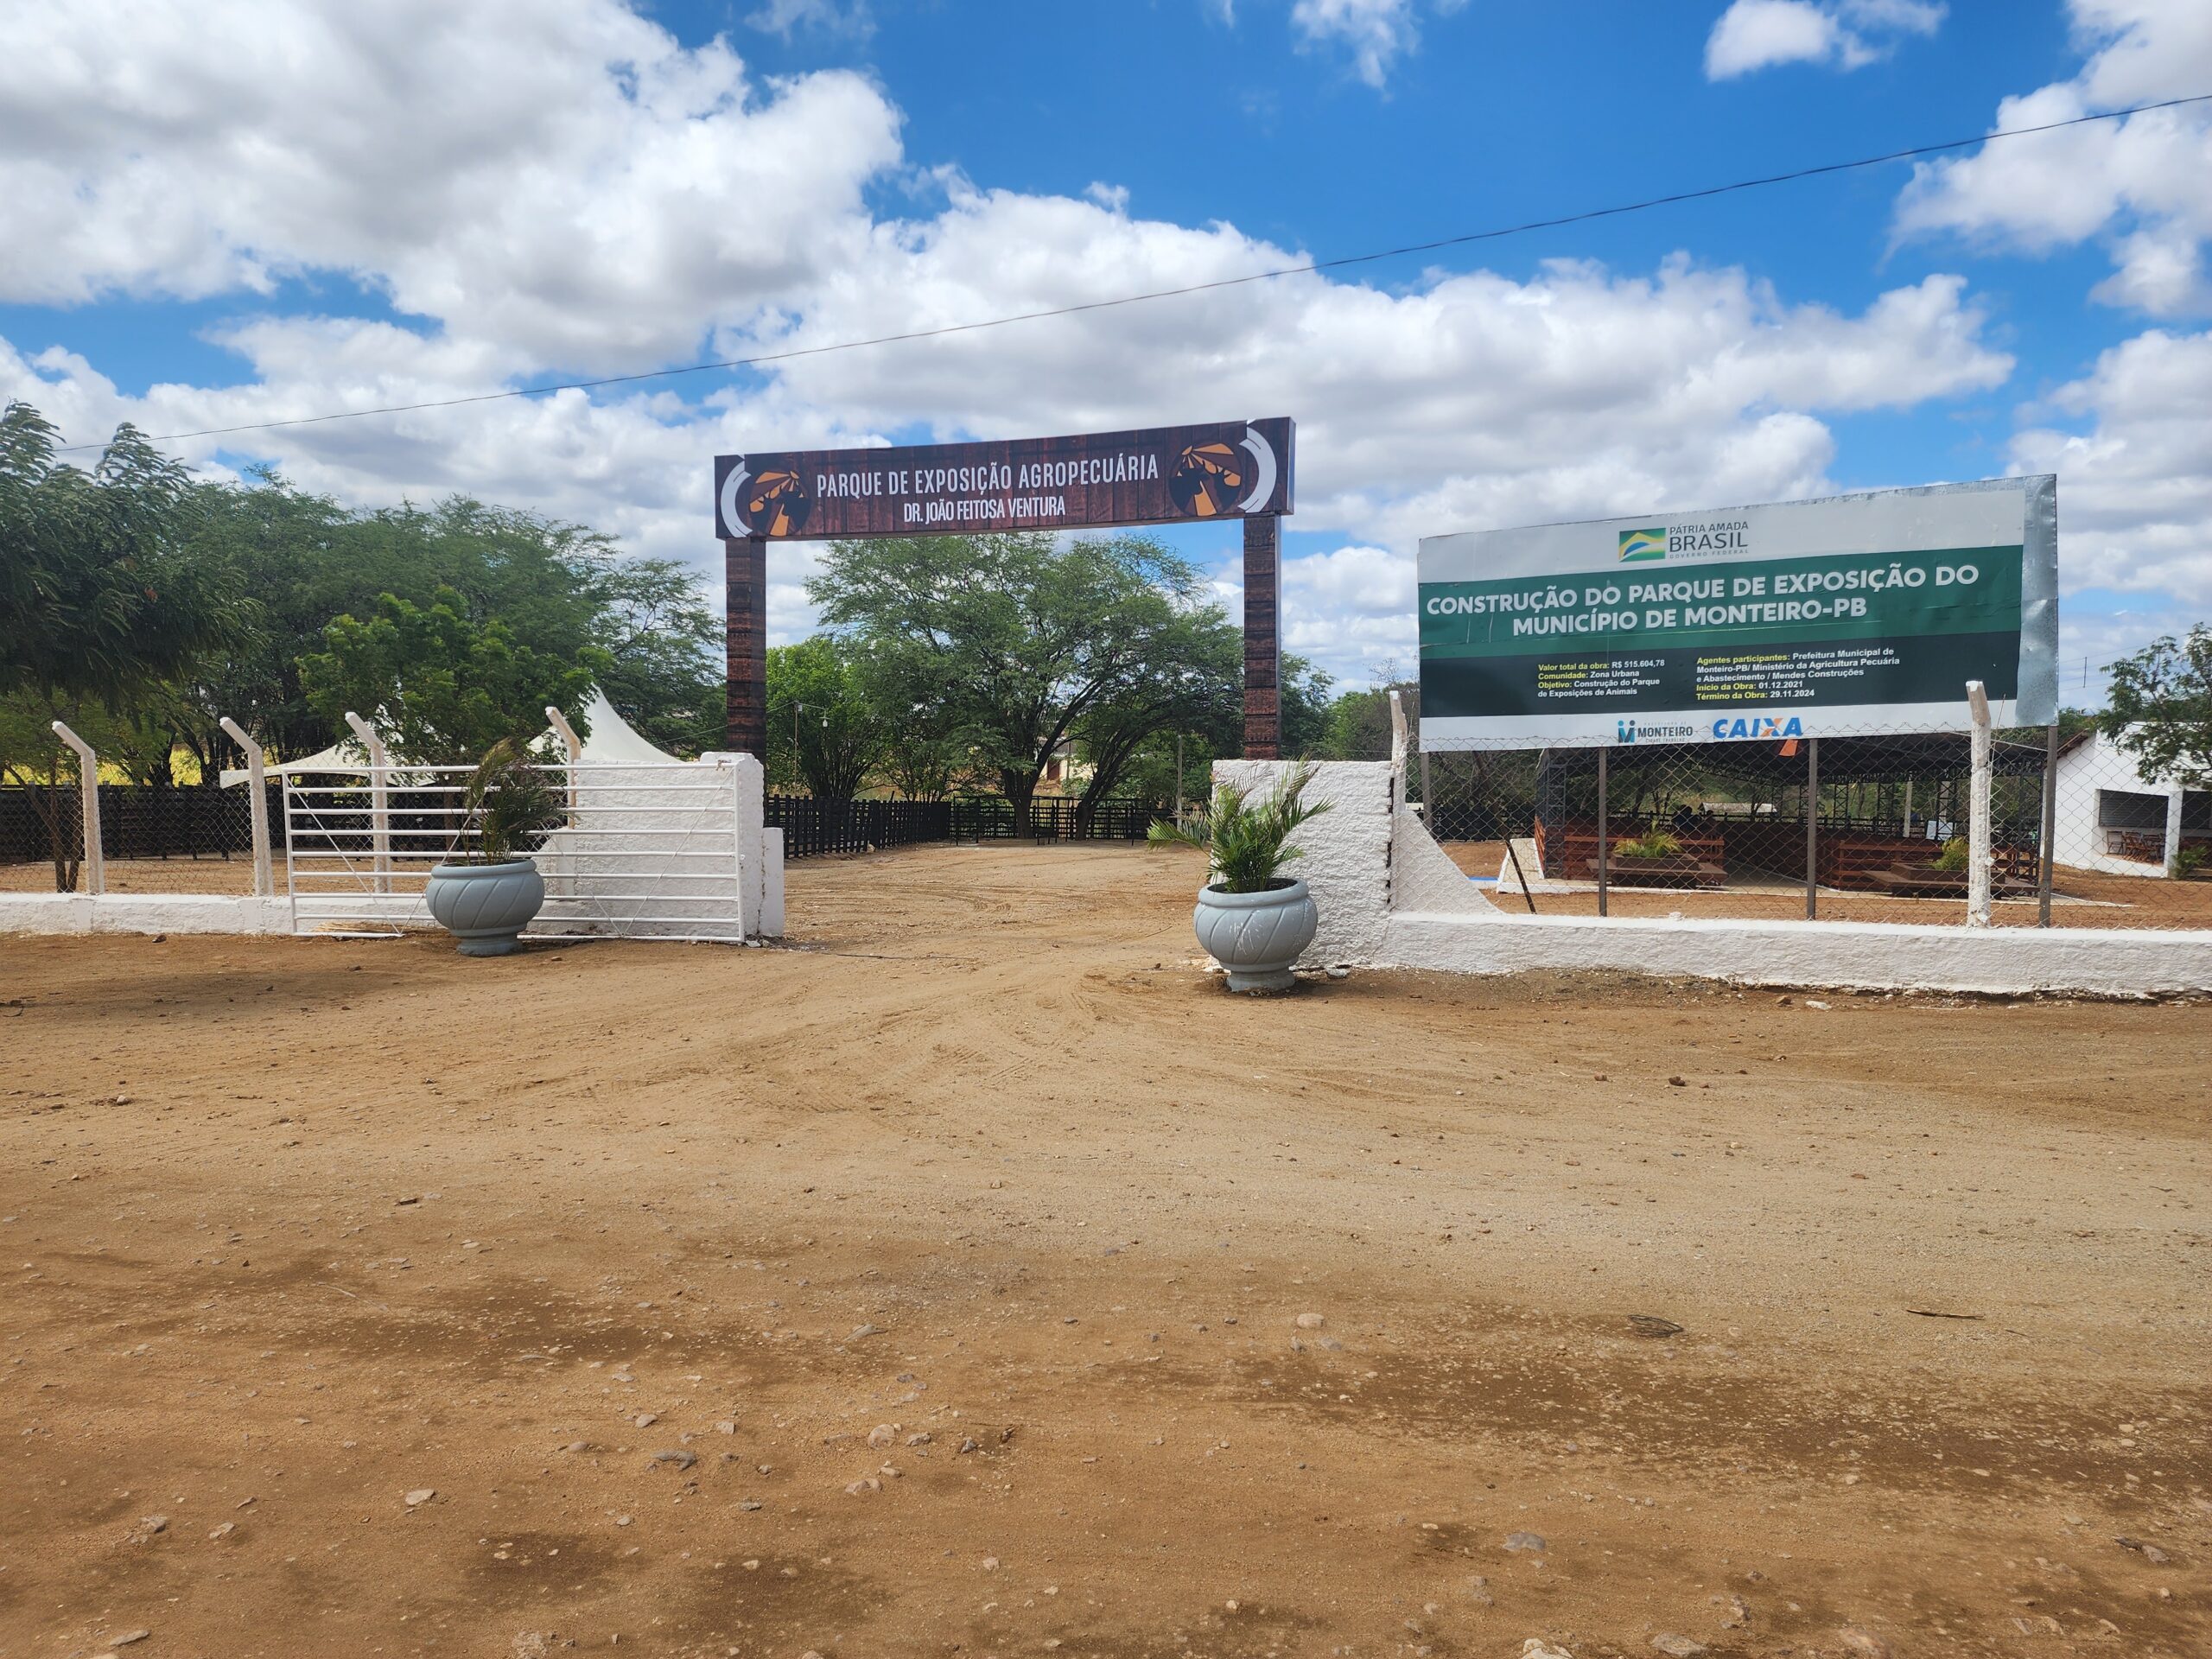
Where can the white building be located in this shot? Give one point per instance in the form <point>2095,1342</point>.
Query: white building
<point>2112,819</point>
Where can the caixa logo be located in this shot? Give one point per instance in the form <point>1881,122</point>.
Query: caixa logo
<point>1760,725</point>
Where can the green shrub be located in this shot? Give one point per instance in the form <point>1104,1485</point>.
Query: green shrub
<point>2190,861</point>
<point>1952,861</point>
<point>1652,843</point>
<point>1244,843</point>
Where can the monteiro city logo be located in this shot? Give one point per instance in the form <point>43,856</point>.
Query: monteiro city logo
<point>1643,545</point>
<point>1628,731</point>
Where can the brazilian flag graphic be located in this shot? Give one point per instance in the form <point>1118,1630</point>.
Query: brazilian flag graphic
<point>1643,545</point>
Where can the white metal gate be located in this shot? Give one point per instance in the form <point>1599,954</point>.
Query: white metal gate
<point>647,851</point>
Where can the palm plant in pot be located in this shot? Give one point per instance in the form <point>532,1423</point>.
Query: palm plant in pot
<point>485,898</point>
<point>1251,918</point>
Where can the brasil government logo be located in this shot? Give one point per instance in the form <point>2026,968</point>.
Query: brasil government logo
<point>1643,545</point>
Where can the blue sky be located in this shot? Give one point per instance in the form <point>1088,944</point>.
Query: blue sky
<point>271,211</point>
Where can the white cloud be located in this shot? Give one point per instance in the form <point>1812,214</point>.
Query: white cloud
<point>675,200</point>
<point>1754,35</point>
<point>1374,32</point>
<point>559,175</point>
<point>2135,487</point>
<point>853,19</point>
<point>2141,181</point>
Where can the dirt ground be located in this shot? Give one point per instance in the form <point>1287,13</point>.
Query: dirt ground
<point>2084,898</point>
<point>975,1277</point>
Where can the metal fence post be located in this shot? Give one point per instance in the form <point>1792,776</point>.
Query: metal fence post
<point>265,876</point>
<point>88,787</point>
<point>1605,840</point>
<point>1812,829</point>
<point>2049,824</point>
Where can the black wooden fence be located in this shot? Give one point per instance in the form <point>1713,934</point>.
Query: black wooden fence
<point>992,817</point>
<point>812,826</point>
<point>143,821</point>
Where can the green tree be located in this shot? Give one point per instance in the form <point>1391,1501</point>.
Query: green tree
<point>100,608</point>
<point>823,730</point>
<point>442,686</point>
<point>1011,638</point>
<point>2160,708</point>
<point>1305,707</point>
<point>1194,684</point>
<point>100,603</point>
<point>558,588</point>
<point>1356,725</point>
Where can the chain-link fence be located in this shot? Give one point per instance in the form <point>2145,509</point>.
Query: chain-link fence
<point>138,821</point>
<point>1869,827</point>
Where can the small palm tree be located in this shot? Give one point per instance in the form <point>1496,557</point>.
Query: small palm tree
<point>1245,845</point>
<point>510,803</point>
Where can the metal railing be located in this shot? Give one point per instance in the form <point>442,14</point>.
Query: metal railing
<point>647,851</point>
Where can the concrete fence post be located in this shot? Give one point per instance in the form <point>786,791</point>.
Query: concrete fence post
<point>88,787</point>
<point>2046,864</point>
<point>256,780</point>
<point>379,798</point>
<point>573,745</point>
<point>1604,836</point>
<point>1812,829</point>
<point>1978,810</point>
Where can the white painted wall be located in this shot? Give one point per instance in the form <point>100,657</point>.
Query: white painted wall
<point>2084,770</point>
<point>1346,860</point>
<point>1874,955</point>
<point>642,876</point>
<point>142,912</point>
<point>1390,900</point>
<point>638,866</point>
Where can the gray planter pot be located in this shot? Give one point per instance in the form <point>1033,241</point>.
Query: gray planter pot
<point>485,905</point>
<point>1256,936</point>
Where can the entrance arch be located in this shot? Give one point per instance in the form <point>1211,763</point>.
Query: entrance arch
<point>1095,481</point>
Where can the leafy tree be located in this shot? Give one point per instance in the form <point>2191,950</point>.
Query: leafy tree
<point>2160,709</point>
<point>664,673</point>
<point>1305,707</point>
<point>100,609</point>
<point>557,587</point>
<point>1358,727</point>
<point>1011,638</point>
<point>442,686</point>
<point>1194,685</point>
<point>823,731</point>
<point>922,762</point>
<point>99,602</point>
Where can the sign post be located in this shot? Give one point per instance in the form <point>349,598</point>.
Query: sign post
<point>745,645</point>
<point>1183,474</point>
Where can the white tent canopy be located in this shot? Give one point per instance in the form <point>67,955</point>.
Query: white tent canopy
<point>613,743</point>
<point>338,757</point>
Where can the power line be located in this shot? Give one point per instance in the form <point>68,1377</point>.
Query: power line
<point>1307,269</point>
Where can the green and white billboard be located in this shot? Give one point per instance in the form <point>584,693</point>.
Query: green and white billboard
<point>1857,614</point>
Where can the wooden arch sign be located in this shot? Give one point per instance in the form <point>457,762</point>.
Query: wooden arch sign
<point>1160,475</point>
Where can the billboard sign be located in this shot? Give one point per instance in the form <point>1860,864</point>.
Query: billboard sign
<point>1857,613</point>
<point>1175,474</point>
